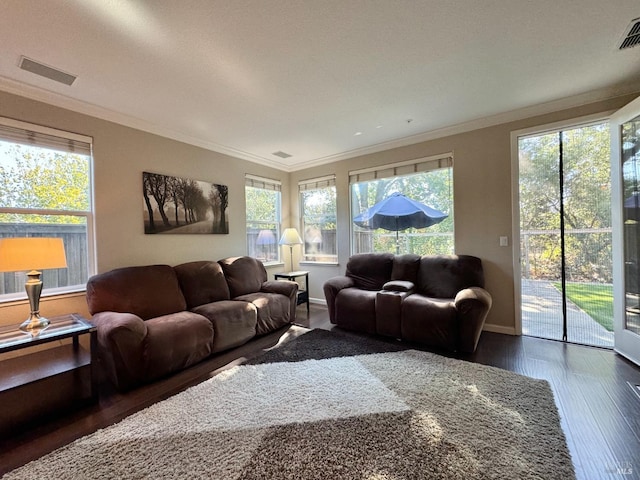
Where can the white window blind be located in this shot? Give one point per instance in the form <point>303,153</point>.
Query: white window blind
<point>262,182</point>
<point>27,134</point>
<point>315,183</point>
<point>408,167</point>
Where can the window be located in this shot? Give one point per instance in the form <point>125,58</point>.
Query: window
<point>426,180</point>
<point>45,191</point>
<point>318,212</point>
<point>263,204</point>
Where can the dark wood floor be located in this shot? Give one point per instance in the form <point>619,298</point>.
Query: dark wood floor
<point>593,388</point>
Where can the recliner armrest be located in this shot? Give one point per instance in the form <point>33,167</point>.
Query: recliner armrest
<point>473,294</point>
<point>399,286</point>
<point>472,305</point>
<point>331,289</point>
<point>283,287</point>
<point>121,339</point>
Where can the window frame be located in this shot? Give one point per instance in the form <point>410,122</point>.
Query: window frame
<point>327,181</point>
<point>29,134</point>
<point>268,184</point>
<point>400,169</point>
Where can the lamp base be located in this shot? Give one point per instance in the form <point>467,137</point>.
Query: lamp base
<point>34,324</point>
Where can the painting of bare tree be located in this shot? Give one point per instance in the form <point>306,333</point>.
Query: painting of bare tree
<point>180,205</point>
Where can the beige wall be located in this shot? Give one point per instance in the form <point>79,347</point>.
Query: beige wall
<point>482,193</point>
<point>120,155</point>
<point>482,200</point>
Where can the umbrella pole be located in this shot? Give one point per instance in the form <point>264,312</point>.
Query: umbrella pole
<point>397,238</point>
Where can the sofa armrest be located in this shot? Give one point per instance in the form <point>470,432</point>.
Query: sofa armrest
<point>399,286</point>
<point>121,338</point>
<point>389,312</point>
<point>283,287</point>
<point>331,289</point>
<point>472,305</point>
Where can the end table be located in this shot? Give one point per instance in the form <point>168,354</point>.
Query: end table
<point>36,384</point>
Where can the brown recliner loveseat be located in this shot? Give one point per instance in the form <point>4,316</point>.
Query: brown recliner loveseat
<point>156,319</point>
<point>437,300</point>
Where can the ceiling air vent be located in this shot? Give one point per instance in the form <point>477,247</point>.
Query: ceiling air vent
<point>631,36</point>
<point>46,71</point>
<point>281,154</point>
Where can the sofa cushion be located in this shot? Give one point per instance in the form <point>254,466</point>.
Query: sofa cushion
<point>244,275</point>
<point>274,310</point>
<point>234,323</point>
<point>148,292</point>
<point>202,282</point>
<point>175,342</point>
<point>406,267</point>
<point>370,271</point>
<point>443,276</point>
<point>429,321</point>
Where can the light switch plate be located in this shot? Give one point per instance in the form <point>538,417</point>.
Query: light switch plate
<point>504,241</point>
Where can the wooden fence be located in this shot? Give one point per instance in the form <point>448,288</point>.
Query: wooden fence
<point>74,238</point>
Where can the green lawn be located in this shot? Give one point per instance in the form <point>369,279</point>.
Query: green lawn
<point>595,300</point>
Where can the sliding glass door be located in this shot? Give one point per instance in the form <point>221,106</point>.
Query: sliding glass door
<point>625,160</point>
<point>565,235</point>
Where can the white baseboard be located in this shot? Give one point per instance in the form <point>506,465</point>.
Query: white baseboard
<point>489,327</point>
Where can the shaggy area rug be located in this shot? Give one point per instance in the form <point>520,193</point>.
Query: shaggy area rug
<point>323,406</point>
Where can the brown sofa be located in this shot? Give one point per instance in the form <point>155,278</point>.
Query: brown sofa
<point>157,319</point>
<point>438,301</point>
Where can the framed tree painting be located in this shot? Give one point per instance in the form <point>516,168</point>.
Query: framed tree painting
<point>180,205</point>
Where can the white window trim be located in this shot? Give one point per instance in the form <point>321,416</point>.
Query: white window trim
<point>418,165</point>
<point>316,184</point>
<point>272,184</point>
<point>516,135</point>
<point>89,215</point>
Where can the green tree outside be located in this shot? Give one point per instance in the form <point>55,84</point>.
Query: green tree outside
<point>38,178</point>
<point>587,204</point>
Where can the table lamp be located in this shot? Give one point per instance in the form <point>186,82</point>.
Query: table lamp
<point>264,240</point>
<point>32,254</point>
<point>290,237</point>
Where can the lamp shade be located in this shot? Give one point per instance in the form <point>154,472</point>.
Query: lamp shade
<point>290,236</point>
<point>266,237</point>
<point>32,253</point>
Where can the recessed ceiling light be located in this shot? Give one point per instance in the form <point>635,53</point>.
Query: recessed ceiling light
<point>379,126</point>
<point>281,154</point>
<point>357,134</point>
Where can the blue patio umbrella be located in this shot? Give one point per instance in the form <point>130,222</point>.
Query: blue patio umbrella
<point>398,212</point>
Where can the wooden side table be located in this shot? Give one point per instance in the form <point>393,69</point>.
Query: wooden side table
<point>38,383</point>
<point>303,290</point>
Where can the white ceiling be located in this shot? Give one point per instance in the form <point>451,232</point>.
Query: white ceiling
<point>253,77</point>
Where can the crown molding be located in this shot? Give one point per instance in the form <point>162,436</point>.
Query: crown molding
<point>62,101</point>
<point>484,122</point>
<point>86,108</point>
